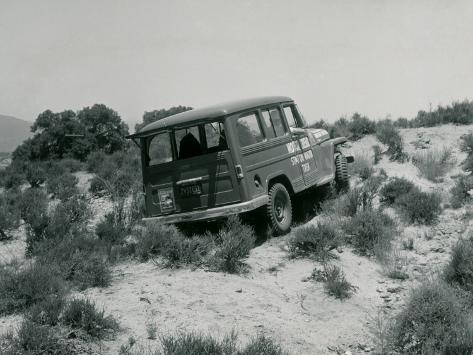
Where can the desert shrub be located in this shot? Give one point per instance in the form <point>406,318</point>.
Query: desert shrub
<point>467,146</point>
<point>95,160</point>
<point>335,282</point>
<point>314,241</point>
<point>82,314</point>
<point>35,174</point>
<point>110,230</point>
<point>234,243</point>
<point>48,311</point>
<point>378,154</point>
<point>195,343</point>
<point>433,164</point>
<point>434,321</point>
<point>369,231</point>
<point>262,345</point>
<point>13,176</point>
<point>32,338</point>
<point>340,128</point>
<point>34,211</point>
<point>394,189</point>
<point>97,186</point>
<point>390,136</point>
<point>62,186</point>
<point>82,259</point>
<point>169,243</point>
<point>459,270</point>
<point>9,213</point>
<point>362,166</point>
<point>22,287</point>
<point>394,264</point>
<point>419,207</point>
<point>360,126</point>
<point>71,165</point>
<point>67,218</point>
<point>460,191</point>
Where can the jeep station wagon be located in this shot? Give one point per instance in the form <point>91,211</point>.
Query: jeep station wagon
<point>236,157</point>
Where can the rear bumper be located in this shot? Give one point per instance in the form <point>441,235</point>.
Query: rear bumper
<point>211,213</point>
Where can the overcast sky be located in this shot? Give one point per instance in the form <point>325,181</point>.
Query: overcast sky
<point>333,57</point>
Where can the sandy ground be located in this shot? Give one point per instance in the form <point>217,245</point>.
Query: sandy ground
<point>274,297</point>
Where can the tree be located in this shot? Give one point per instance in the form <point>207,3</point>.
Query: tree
<point>152,116</point>
<point>74,135</point>
<point>106,126</point>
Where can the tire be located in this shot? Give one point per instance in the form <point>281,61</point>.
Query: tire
<point>279,209</point>
<point>341,172</point>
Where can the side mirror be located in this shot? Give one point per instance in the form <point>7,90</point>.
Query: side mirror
<point>297,131</point>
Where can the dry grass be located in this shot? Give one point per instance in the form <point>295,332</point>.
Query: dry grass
<point>434,164</point>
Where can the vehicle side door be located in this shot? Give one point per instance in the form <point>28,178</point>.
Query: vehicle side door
<point>305,157</point>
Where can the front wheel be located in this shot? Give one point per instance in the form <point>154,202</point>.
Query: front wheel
<point>279,209</point>
<point>341,172</point>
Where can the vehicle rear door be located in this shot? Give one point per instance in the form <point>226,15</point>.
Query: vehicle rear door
<point>200,176</point>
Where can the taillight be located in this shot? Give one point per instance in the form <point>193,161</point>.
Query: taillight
<point>239,171</point>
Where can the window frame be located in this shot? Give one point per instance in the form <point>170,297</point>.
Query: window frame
<point>257,114</point>
<point>171,131</point>
<point>295,113</point>
<point>284,124</point>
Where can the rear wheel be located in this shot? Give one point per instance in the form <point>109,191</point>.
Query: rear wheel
<point>341,172</point>
<point>279,209</point>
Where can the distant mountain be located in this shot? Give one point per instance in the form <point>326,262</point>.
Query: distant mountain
<point>13,131</point>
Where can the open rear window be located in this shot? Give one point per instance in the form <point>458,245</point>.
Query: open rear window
<point>190,142</point>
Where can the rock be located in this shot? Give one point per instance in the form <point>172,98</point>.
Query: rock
<point>340,250</point>
<point>438,250</point>
<point>239,290</point>
<point>385,296</point>
<point>305,279</point>
<point>144,299</point>
<point>379,290</point>
<point>395,289</point>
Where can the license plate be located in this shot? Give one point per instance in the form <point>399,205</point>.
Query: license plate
<point>190,190</point>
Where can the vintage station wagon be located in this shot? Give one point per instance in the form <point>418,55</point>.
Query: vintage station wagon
<point>235,157</point>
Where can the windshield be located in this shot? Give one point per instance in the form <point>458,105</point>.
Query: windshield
<point>190,142</point>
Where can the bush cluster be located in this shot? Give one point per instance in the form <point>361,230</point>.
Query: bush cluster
<point>433,164</point>
<point>83,314</point>
<point>390,136</point>
<point>460,192</point>
<point>459,271</point>
<point>22,287</point>
<point>395,188</point>
<point>315,241</point>
<point>420,207</point>
<point>197,344</point>
<point>370,231</point>
<point>335,282</point>
<point>434,321</point>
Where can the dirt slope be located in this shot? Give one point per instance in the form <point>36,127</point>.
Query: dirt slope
<point>275,298</point>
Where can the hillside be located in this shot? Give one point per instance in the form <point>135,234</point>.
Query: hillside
<point>13,131</point>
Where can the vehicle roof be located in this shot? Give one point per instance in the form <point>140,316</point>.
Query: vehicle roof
<point>213,111</point>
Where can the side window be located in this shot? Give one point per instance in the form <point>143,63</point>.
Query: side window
<point>268,125</point>
<point>215,136</point>
<point>248,130</point>
<point>277,122</point>
<point>188,142</point>
<point>159,149</point>
<point>290,116</point>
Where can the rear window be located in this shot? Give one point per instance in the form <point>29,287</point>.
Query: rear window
<point>190,142</point>
<point>159,149</point>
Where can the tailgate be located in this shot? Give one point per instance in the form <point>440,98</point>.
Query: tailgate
<point>201,182</point>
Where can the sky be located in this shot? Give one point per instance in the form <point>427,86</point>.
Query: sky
<point>333,57</point>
